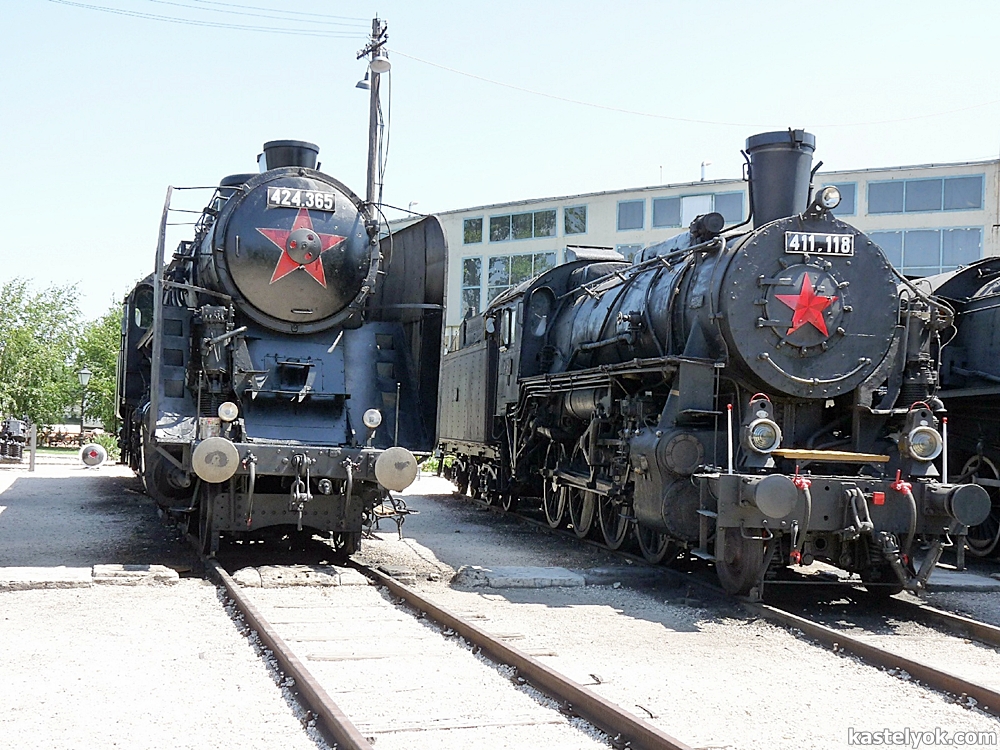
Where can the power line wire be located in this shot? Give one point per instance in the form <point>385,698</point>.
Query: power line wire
<point>211,24</point>
<point>671,118</point>
<point>254,15</point>
<point>289,12</point>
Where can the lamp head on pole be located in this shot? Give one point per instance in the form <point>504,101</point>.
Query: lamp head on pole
<point>84,376</point>
<point>380,63</point>
<point>363,83</point>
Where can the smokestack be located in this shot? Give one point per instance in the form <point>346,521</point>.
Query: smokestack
<point>288,154</point>
<point>780,162</point>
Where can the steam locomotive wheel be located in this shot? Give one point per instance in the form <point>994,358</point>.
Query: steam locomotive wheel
<point>655,547</point>
<point>741,562</point>
<point>509,500</point>
<point>983,539</point>
<point>581,510</point>
<point>614,522</point>
<point>554,502</point>
<point>553,496</point>
<point>487,485</point>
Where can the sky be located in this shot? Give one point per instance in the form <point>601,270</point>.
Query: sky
<point>104,103</point>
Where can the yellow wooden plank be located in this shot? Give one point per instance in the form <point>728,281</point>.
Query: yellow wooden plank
<point>831,456</point>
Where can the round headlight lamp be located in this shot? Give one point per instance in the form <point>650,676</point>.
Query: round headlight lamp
<point>924,443</point>
<point>228,411</point>
<point>763,435</point>
<point>372,418</point>
<point>829,197</point>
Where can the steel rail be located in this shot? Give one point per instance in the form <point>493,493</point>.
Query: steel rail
<point>966,626</point>
<point>334,721</point>
<point>626,729</point>
<point>987,699</point>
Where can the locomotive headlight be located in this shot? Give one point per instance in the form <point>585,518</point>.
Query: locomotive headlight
<point>763,435</point>
<point>924,443</point>
<point>829,197</point>
<point>228,411</point>
<point>372,418</point>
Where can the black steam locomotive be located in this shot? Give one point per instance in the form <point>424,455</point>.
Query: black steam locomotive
<point>13,438</point>
<point>763,398</point>
<point>970,381</point>
<point>271,371</point>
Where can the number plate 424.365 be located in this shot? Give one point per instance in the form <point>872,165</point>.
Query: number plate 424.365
<point>819,244</point>
<point>292,198</point>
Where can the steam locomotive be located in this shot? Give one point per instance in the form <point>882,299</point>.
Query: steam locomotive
<point>763,397</point>
<point>13,438</point>
<point>970,381</point>
<point>271,372</point>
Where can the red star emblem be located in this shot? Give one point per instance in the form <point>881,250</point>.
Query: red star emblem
<point>807,307</point>
<point>301,247</point>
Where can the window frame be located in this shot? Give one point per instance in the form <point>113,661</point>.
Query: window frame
<point>482,225</point>
<point>463,287</point>
<point>944,179</point>
<point>510,225</point>
<point>642,226</point>
<point>586,220</point>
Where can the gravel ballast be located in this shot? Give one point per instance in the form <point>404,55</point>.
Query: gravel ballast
<point>130,666</point>
<point>703,671</point>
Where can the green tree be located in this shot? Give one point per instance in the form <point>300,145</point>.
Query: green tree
<point>98,350</point>
<point>38,333</point>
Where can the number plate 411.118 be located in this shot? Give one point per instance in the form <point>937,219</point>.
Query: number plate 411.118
<point>819,244</point>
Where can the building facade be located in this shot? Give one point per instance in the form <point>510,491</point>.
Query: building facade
<point>927,219</point>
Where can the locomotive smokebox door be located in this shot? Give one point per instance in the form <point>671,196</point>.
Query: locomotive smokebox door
<point>822,313</point>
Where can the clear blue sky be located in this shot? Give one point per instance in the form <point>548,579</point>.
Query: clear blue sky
<point>101,111</point>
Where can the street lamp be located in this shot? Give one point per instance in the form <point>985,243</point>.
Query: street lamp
<point>84,376</point>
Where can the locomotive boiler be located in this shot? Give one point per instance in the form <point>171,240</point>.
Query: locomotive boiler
<point>278,373</point>
<point>763,397</point>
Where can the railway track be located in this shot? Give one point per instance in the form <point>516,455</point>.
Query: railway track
<point>894,651</point>
<point>314,633</point>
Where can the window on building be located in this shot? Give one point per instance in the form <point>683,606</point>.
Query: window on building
<point>693,206</point>
<point>963,193</point>
<point>506,271</point>
<point>631,215</point>
<point>885,197</point>
<point>575,219</point>
<point>677,211</point>
<point>472,283</point>
<point>924,252</point>
<point>848,198</point>
<point>473,231</point>
<point>523,226</point>
<point>666,212</point>
<point>730,205</point>
<point>629,251</point>
<point>923,195</point>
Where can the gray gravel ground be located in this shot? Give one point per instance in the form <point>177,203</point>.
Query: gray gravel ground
<point>122,667</point>
<point>702,671</point>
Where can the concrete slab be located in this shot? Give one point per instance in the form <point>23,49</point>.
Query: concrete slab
<point>943,579</point>
<point>405,576</point>
<point>272,577</point>
<point>61,577</point>
<point>516,577</point>
<point>134,575</point>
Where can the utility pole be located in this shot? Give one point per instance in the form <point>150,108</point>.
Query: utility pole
<point>379,64</point>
